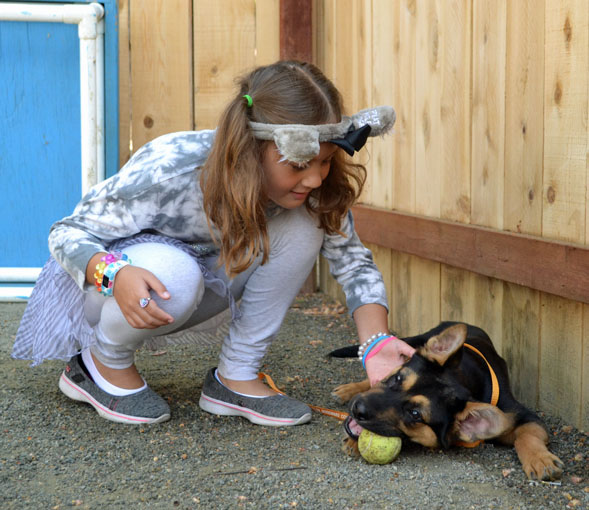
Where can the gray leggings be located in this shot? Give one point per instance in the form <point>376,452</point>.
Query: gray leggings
<point>266,292</point>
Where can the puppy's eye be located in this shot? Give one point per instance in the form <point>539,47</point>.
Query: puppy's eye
<point>395,380</point>
<point>415,415</point>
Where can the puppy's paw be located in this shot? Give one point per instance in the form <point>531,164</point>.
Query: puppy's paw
<point>345,392</point>
<point>543,466</point>
<point>350,447</point>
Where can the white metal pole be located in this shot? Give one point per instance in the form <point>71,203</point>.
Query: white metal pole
<point>100,113</point>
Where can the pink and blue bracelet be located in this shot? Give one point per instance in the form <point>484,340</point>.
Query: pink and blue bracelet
<point>373,345</point>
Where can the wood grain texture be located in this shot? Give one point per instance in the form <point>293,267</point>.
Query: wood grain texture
<point>224,48</point>
<point>267,32</point>
<point>524,117</point>
<point>565,121</point>
<point>454,55</point>
<point>161,63</point>
<point>560,381</point>
<point>416,294</point>
<point>521,340</point>
<point>522,207</point>
<point>488,112</point>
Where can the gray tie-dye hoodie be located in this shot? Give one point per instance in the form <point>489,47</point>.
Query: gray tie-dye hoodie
<point>158,190</point>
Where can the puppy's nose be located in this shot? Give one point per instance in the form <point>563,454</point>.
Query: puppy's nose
<point>359,410</point>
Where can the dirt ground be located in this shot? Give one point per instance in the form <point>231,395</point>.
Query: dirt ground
<point>57,454</point>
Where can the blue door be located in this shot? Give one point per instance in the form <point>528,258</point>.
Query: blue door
<point>40,156</point>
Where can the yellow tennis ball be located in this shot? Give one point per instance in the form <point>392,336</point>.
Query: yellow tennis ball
<point>377,449</point>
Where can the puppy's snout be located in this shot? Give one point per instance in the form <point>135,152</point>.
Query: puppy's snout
<point>359,410</point>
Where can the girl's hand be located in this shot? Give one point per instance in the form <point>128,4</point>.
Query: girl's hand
<point>391,356</point>
<point>133,283</point>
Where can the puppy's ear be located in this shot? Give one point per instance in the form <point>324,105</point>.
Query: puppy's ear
<point>442,347</point>
<point>481,421</point>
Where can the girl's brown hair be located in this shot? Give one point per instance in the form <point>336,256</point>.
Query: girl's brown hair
<point>232,179</point>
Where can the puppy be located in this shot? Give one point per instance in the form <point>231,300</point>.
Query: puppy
<point>441,397</point>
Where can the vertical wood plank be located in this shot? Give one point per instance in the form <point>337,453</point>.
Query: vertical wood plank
<point>524,126</point>
<point>403,164</point>
<point>473,298</point>
<point>429,37</point>
<point>325,36</point>
<point>224,48</point>
<point>416,295</point>
<point>353,74</point>
<point>524,117</point>
<point>455,109</point>
<point>161,63</point>
<point>383,77</point>
<point>561,358</point>
<point>383,260</point>
<point>488,154</point>
<point>521,341</point>
<point>565,140</point>
<point>564,195</point>
<point>456,291</point>
<point>328,284</point>
<point>488,115</point>
<point>267,32</point>
<point>124,83</point>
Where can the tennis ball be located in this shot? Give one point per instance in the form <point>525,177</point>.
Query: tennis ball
<point>377,449</point>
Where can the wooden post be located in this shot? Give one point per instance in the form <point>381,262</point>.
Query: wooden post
<point>296,30</point>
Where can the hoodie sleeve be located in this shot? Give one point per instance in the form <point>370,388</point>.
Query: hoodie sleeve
<point>156,190</point>
<point>351,264</point>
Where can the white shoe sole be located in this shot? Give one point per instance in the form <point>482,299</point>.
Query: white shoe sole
<point>71,390</point>
<point>214,406</point>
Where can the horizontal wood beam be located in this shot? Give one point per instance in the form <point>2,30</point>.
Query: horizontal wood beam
<point>545,265</point>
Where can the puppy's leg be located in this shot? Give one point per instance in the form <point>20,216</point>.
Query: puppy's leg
<point>345,392</point>
<point>530,440</point>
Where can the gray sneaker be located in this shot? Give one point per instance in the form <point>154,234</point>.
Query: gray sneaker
<point>142,407</point>
<point>276,411</point>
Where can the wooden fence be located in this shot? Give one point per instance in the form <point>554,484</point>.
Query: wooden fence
<point>492,131</point>
<point>179,58</point>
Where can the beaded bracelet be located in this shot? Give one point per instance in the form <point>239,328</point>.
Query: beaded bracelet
<point>372,346</point>
<point>377,336</point>
<point>105,274</point>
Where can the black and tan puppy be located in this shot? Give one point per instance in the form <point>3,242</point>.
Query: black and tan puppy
<point>441,397</point>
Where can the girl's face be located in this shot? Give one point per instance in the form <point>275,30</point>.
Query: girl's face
<point>287,184</point>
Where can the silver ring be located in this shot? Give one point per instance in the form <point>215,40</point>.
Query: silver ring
<point>144,301</point>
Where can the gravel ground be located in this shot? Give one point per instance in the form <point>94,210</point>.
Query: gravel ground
<point>59,454</point>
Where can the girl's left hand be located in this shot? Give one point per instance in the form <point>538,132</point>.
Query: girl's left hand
<point>391,356</point>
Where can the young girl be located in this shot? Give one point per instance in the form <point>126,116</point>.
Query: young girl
<point>197,220</point>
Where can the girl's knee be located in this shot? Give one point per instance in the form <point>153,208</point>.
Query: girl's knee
<point>176,270</point>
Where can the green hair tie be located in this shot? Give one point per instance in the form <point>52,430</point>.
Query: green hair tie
<point>249,100</point>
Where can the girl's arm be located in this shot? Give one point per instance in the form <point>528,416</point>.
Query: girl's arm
<point>371,319</point>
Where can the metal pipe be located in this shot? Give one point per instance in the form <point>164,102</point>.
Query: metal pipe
<point>19,274</point>
<point>90,21</point>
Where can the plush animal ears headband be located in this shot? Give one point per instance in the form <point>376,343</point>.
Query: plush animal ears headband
<point>299,143</point>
